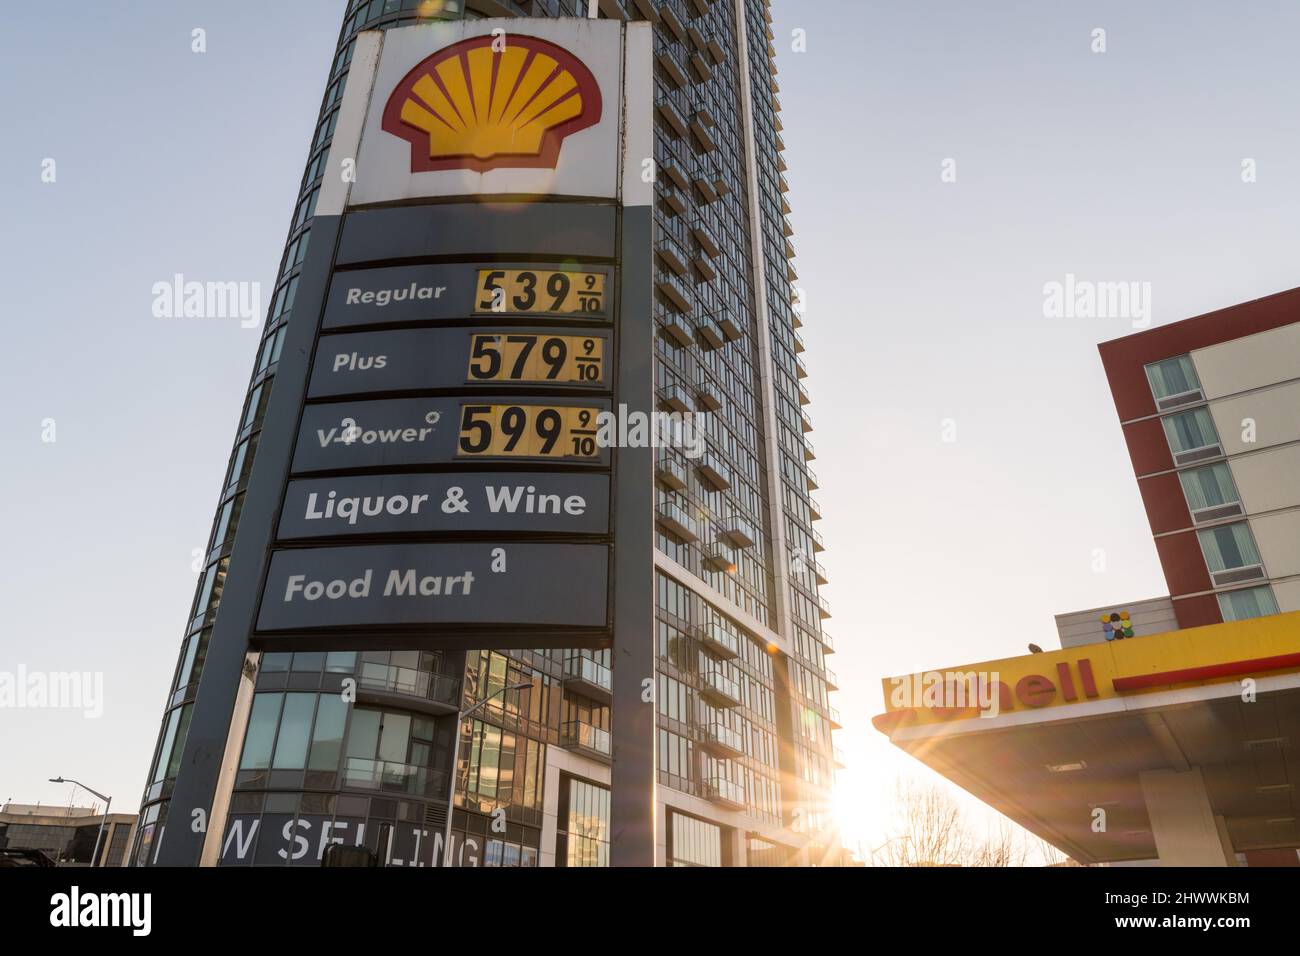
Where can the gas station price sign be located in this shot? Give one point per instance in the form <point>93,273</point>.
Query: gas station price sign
<point>533,357</point>
<point>528,431</point>
<point>540,292</point>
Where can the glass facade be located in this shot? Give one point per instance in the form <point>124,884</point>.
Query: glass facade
<point>358,746</point>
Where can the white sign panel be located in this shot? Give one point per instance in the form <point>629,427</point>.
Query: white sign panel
<point>494,107</point>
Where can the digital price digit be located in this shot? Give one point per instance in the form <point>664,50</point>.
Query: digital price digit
<point>531,357</point>
<point>528,431</point>
<point>540,292</point>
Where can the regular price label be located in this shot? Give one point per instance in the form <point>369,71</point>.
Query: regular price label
<point>533,357</point>
<point>528,431</point>
<point>540,292</point>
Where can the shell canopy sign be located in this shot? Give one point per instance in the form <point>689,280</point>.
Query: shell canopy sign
<point>489,102</point>
<point>508,107</point>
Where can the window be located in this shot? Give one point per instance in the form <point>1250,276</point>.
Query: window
<point>1172,378</point>
<point>1190,430</point>
<point>261,732</point>
<point>1209,487</point>
<point>693,842</point>
<point>295,728</point>
<point>1247,603</point>
<point>583,824</point>
<point>1228,547</point>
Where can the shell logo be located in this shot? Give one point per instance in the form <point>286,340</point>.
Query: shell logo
<point>471,107</point>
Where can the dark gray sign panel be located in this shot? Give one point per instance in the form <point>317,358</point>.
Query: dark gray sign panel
<point>504,502</point>
<point>555,585</point>
<point>439,293</point>
<point>400,294</point>
<point>341,436</point>
<point>413,359</point>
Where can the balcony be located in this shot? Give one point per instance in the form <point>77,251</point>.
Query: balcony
<point>671,470</point>
<point>673,290</point>
<point>384,683</point>
<point>700,126</point>
<point>724,792</point>
<point>818,571</point>
<point>838,757</point>
<point>671,21</point>
<point>800,370</point>
<point>707,190</point>
<point>738,531</point>
<point>710,333</point>
<point>708,396</point>
<point>723,740</point>
<point>390,777</point>
<point>718,639</point>
<point>674,119</point>
<point>676,520</point>
<point>699,66</point>
<point>833,714</point>
<point>581,737</point>
<point>677,328</point>
<point>823,608</point>
<point>832,681</point>
<point>674,72</point>
<point>588,677</point>
<point>805,423</point>
<point>809,454</point>
<point>813,483</point>
<point>714,470</point>
<point>799,346</point>
<point>719,689</point>
<point>721,557</point>
<point>819,543</point>
<point>675,398</point>
<point>700,230</point>
<point>805,397</point>
<point>828,644</point>
<point>671,253</point>
<point>729,321</point>
<point>814,508</point>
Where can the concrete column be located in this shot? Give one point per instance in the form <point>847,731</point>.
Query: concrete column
<point>1186,830</point>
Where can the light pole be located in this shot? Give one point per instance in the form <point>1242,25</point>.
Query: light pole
<point>108,802</point>
<point>451,770</point>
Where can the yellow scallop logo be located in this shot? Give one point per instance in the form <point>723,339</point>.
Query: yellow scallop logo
<point>469,106</point>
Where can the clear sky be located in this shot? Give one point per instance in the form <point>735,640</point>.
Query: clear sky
<point>925,304</point>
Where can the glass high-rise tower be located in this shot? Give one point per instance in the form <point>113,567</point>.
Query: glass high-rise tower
<point>355,745</point>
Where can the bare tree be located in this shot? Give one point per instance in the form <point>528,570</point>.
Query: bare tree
<point>930,830</point>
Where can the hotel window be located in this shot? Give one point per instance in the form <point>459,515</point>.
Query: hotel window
<point>1247,603</point>
<point>583,824</point>
<point>693,842</point>
<point>1174,382</point>
<point>1228,547</point>
<point>1190,431</point>
<point>1210,492</point>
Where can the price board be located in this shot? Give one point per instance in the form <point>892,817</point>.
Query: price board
<point>536,358</point>
<point>528,431</point>
<point>540,292</point>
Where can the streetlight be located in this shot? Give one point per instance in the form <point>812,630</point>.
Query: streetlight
<point>455,751</point>
<point>108,802</point>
